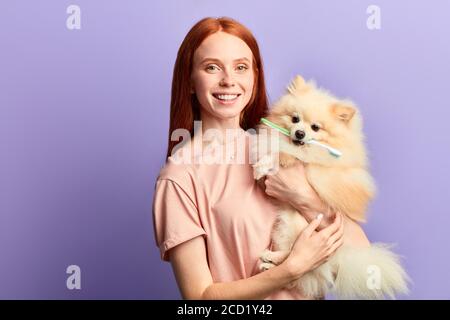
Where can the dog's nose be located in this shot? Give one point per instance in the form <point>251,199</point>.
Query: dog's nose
<point>299,134</point>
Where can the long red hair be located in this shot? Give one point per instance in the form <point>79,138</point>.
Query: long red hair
<point>184,107</point>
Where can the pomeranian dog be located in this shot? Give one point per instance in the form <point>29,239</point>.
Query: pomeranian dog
<point>343,182</point>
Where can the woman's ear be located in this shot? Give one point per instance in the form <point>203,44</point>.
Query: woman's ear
<point>343,112</point>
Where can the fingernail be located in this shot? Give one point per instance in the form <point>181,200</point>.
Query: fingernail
<point>319,216</point>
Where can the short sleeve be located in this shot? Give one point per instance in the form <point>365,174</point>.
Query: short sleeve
<point>175,216</point>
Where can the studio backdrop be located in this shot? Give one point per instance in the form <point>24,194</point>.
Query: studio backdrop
<point>84,114</point>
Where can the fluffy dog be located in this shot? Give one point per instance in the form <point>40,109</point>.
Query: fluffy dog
<point>343,183</point>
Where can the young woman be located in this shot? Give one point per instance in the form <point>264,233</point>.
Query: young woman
<point>212,221</point>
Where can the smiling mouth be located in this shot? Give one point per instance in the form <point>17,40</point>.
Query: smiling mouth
<point>226,97</point>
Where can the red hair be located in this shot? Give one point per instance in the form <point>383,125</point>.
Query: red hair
<point>184,107</point>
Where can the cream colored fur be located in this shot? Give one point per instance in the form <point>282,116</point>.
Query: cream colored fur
<point>344,183</point>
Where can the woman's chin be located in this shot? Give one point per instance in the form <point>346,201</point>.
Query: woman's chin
<point>227,112</point>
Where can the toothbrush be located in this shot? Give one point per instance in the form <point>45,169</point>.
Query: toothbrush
<point>334,152</point>
<point>276,127</point>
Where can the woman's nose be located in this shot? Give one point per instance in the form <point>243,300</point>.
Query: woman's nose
<point>227,80</point>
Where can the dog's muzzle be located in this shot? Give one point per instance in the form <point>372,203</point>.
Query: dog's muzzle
<point>299,135</point>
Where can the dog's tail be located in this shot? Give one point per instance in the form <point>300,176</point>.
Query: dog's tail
<point>369,273</point>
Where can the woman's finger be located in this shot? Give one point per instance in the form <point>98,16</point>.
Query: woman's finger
<point>332,228</point>
<point>312,226</point>
<point>338,234</point>
<point>335,246</point>
<point>320,262</point>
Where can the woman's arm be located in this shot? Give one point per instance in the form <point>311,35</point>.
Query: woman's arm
<point>290,185</point>
<point>354,233</point>
<point>194,279</point>
<point>190,265</point>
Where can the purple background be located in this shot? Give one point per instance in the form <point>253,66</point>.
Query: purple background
<point>84,120</point>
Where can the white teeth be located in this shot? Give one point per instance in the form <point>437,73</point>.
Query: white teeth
<point>226,96</point>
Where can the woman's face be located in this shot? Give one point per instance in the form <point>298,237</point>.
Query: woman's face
<point>222,75</point>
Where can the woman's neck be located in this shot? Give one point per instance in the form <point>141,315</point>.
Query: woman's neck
<point>222,126</point>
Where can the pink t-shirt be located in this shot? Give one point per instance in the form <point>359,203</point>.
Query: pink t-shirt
<point>222,203</point>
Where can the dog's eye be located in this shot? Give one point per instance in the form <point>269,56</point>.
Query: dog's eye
<point>295,119</point>
<point>315,127</point>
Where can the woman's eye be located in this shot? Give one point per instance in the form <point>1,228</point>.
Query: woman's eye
<point>295,119</point>
<point>242,67</point>
<point>212,67</point>
<point>315,127</point>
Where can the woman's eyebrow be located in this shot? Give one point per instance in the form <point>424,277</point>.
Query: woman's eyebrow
<point>218,61</point>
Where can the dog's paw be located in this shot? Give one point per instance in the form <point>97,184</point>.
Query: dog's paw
<point>264,166</point>
<point>265,266</point>
<point>258,173</point>
<point>270,259</point>
<point>266,256</point>
<point>274,257</point>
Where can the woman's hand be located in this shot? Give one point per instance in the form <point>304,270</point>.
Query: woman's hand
<point>290,185</point>
<point>313,248</point>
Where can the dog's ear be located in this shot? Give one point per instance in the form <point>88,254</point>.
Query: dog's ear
<point>344,112</point>
<point>297,86</point>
